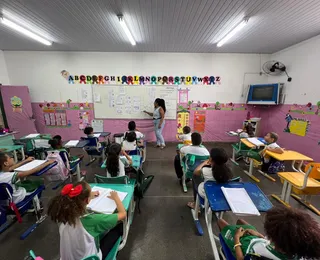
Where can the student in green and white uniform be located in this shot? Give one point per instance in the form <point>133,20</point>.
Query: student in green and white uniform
<point>292,234</point>
<point>117,161</point>
<point>83,234</point>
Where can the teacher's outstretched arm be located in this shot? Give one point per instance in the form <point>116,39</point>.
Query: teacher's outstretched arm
<point>149,113</point>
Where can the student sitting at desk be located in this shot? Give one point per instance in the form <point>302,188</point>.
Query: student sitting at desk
<point>56,144</point>
<point>247,131</point>
<point>132,128</point>
<point>269,164</point>
<point>88,131</point>
<point>8,175</point>
<point>214,169</point>
<point>195,149</point>
<point>130,142</point>
<point>290,234</point>
<point>80,232</point>
<point>186,136</point>
<point>116,164</point>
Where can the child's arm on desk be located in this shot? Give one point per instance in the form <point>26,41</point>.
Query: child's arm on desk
<point>127,157</point>
<point>122,213</point>
<point>278,150</point>
<point>34,170</point>
<point>17,165</point>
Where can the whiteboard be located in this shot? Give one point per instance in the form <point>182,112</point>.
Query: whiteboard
<point>128,101</point>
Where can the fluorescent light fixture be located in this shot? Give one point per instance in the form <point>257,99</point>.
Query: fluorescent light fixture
<point>126,30</point>
<point>233,32</point>
<point>24,31</point>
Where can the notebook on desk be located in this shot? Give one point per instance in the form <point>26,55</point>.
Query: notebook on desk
<point>102,204</point>
<point>29,166</point>
<point>255,141</point>
<point>240,202</point>
<point>72,143</point>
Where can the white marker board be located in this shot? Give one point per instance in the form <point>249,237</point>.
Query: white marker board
<point>128,101</point>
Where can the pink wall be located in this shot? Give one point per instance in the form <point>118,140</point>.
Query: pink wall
<point>273,119</point>
<point>217,123</point>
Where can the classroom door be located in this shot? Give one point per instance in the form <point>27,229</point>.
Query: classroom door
<point>18,111</point>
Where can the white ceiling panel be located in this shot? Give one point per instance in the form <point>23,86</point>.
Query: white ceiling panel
<point>160,25</point>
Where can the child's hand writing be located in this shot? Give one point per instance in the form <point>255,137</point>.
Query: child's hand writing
<point>29,159</point>
<point>113,195</point>
<point>95,194</point>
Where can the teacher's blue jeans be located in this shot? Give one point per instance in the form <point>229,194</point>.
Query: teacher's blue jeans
<point>158,131</point>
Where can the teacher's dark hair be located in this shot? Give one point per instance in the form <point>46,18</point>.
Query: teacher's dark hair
<point>161,103</point>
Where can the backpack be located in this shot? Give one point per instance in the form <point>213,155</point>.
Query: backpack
<point>59,172</point>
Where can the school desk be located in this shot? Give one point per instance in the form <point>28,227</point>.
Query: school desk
<point>128,203</point>
<point>45,169</point>
<point>293,156</point>
<point>216,202</point>
<point>7,139</point>
<point>13,149</point>
<point>103,134</point>
<point>250,172</point>
<point>80,144</point>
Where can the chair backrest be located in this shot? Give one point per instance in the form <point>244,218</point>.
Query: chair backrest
<point>192,160</point>
<point>92,141</point>
<point>91,257</point>
<point>111,180</point>
<point>5,191</point>
<point>315,173</point>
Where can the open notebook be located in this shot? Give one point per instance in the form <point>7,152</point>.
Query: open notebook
<point>72,143</point>
<point>240,202</point>
<point>29,166</point>
<point>103,204</point>
<point>255,141</point>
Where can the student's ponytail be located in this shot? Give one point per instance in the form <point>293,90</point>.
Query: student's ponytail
<point>113,159</point>
<point>220,170</point>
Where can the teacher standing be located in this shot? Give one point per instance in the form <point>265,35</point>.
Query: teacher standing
<point>158,120</point>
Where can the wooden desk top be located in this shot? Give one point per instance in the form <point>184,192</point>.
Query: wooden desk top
<point>289,156</point>
<point>248,143</point>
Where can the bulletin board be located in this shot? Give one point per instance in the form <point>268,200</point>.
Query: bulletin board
<point>128,101</point>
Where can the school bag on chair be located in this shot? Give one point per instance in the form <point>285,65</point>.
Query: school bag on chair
<point>60,171</point>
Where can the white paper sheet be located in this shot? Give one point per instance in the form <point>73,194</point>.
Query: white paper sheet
<point>102,203</point>
<point>29,166</point>
<point>41,143</point>
<point>72,143</point>
<point>239,201</point>
<point>255,141</point>
<point>32,135</point>
<point>96,135</point>
<point>97,125</point>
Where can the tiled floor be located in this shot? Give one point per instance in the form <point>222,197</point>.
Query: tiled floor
<point>164,229</point>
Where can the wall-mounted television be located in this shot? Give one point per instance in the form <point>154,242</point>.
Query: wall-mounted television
<point>264,94</point>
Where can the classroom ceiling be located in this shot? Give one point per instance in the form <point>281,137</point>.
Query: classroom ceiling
<point>160,25</point>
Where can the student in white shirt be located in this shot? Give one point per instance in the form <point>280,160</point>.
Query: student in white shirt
<point>195,149</point>
<point>267,161</point>
<point>186,136</point>
<point>116,164</point>
<point>8,175</point>
<point>290,234</point>
<point>83,234</point>
<point>214,169</point>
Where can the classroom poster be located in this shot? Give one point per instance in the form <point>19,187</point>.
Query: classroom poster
<point>84,120</point>
<point>55,117</point>
<point>199,121</point>
<point>182,121</point>
<point>298,127</point>
<point>183,96</point>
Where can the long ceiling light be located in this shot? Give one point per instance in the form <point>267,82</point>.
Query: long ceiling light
<point>126,29</point>
<point>233,32</point>
<point>24,31</point>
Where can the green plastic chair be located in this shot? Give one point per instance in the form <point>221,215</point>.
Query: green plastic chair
<point>189,163</point>
<point>91,257</point>
<point>114,251</point>
<point>111,180</point>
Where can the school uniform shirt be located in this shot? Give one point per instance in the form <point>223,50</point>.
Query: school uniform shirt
<point>19,193</point>
<point>123,163</point>
<point>129,146</point>
<point>185,137</point>
<point>83,239</point>
<point>139,135</point>
<point>195,150</point>
<point>243,135</point>
<point>207,176</point>
<point>266,159</point>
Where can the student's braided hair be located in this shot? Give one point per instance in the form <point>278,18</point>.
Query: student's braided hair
<point>113,159</point>
<point>293,232</point>
<point>68,209</point>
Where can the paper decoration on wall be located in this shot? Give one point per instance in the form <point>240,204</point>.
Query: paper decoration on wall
<point>83,120</point>
<point>307,109</point>
<point>199,121</point>
<point>218,106</point>
<point>297,126</point>
<point>182,121</point>
<point>16,104</point>
<point>183,95</point>
<point>97,125</point>
<point>141,80</point>
<point>53,105</point>
<point>55,118</point>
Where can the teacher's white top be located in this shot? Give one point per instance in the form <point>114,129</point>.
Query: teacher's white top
<point>156,113</point>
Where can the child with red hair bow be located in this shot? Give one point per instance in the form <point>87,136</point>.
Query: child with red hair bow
<point>80,232</point>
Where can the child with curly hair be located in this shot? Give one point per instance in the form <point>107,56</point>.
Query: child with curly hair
<point>83,234</point>
<point>290,234</point>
